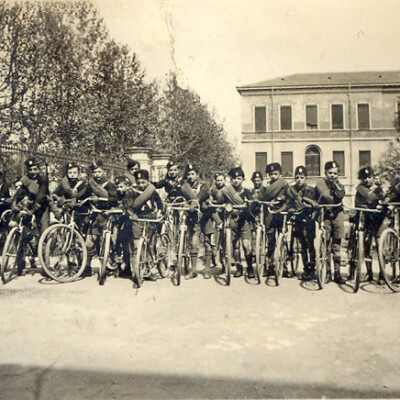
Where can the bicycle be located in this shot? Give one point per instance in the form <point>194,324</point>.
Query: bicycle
<point>18,246</point>
<point>224,243</point>
<point>356,244</point>
<point>148,253</point>
<point>322,261</point>
<point>389,250</point>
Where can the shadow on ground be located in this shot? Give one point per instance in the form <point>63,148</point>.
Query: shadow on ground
<point>23,382</point>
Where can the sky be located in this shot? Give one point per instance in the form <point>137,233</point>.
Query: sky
<point>217,45</point>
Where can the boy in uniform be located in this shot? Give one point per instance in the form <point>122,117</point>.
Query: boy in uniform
<point>300,195</point>
<point>368,195</point>
<point>241,230</point>
<point>143,202</point>
<point>132,167</point>
<point>275,192</point>
<point>104,195</point>
<point>194,189</point>
<point>33,194</point>
<point>172,182</point>
<point>330,191</point>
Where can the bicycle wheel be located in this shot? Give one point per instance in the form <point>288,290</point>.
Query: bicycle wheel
<point>9,258</point>
<point>260,253</point>
<point>226,257</point>
<point>104,255</point>
<point>320,258</point>
<point>360,260</point>
<point>181,265</point>
<point>389,252</point>
<point>62,253</point>
<point>281,257</point>
<point>165,253</point>
<point>138,262</point>
<point>295,254</point>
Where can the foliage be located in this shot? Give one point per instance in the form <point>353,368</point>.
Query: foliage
<point>66,86</point>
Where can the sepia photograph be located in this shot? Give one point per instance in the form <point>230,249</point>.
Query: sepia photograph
<point>199,199</point>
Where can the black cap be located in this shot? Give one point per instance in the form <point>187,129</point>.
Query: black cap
<point>365,172</point>
<point>71,165</point>
<point>96,164</point>
<point>142,174</point>
<point>122,179</point>
<point>273,167</point>
<point>301,170</point>
<point>235,172</point>
<point>190,167</point>
<point>256,174</point>
<point>171,164</point>
<point>331,164</point>
<point>217,174</point>
<point>131,163</point>
<point>30,162</point>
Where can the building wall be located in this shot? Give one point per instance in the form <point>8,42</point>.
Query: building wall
<point>351,140</point>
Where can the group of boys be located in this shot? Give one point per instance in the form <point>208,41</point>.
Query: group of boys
<point>137,196</point>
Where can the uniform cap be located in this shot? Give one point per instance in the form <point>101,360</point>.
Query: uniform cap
<point>331,164</point>
<point>122,179</point>
<point>256,174</point>
<point>71,165</point>
<point>142,174</point>
<point>301,170</point>
<point>217,174</point>
<point>273,167</point>
<point>171,164</point>
<point>235,172</point>
<point>96,164</point>
<point>365,172</point>
<point>30,162</point>
<point>131,163</point>
<point>190,167</point>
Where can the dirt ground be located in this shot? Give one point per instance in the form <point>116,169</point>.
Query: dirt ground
<point>199,340</point>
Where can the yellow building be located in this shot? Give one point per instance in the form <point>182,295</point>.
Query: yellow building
<point>308,119</point>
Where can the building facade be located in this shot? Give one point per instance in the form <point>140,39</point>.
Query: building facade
<point>309,119</point>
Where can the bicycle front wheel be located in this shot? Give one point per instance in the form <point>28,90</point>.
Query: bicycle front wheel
<point>280,258</point>
<point>62,253</point>
<point>389,252</point>
<point>360,261</point>
<point>9,259</point>
<point>138,262</point>
<point>260,253</point>
<point>295,254</point>
<point>104,257</point>
<point>227,254</point>
<point>320,259</point>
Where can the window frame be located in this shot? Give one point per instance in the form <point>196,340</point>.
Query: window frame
<point>291,117</point>
<point>320,159</point>
<point>369,116</point>
<point>254,117</point>
<point>255,161</point>
<point>359,158</point>
<point>342,171</point>
<point>331,116</point>
<point>305,117</point>
<point>292,172</point>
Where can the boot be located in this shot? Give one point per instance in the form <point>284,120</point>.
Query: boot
<point>250,270</point>
<point>337,277</point>
<point>192,273</point>
<point>239,271</point>
<point>369,277</point>
<point>207,263</point>
<point>352,270</point>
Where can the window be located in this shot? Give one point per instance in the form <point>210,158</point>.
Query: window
<point>313,161</point>
<point>364,158</point>
<point>287,163</point>
<point>260,118</point>
<point>337,116</point>
<point>286,118</point>
<point>363,116</point>
<point>261,162</point>
<point>338,157</point>
<point>311,117</point>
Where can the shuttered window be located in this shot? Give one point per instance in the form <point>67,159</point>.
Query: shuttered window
<point>287,163</point>
<point>286,118</point>
<point>260,119</point>
<point>311,116</point>
<point>337,116</point>
<point>364,158</point>
<point>261,162</point>
<point>363,116</point>
<point>338,157</point>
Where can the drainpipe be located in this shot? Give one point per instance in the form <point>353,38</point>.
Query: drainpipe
<point>272,124</point>
<point>351,141</point>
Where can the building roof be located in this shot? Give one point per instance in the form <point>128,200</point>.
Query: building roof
<point>330,79</point>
